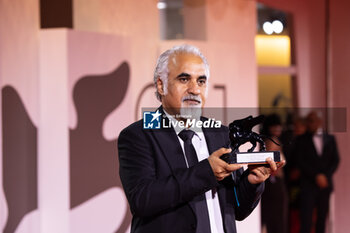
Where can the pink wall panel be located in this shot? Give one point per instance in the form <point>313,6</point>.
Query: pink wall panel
<point>309,35</point>
<point>84,105</point>
<point>99,97</point>
<point>53,134</point>
<point>340,97</point>
<point>136,20</point>
<point>85,102</point>
<point>19,27</point>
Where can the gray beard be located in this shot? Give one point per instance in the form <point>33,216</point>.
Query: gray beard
<point>191,112</point>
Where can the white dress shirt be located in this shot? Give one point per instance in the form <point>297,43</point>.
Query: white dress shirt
<point>200,145</point>
<point>317,138</point>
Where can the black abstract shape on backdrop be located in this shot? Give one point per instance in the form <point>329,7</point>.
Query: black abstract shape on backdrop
<point>19,159</point>
<point>94,165</point>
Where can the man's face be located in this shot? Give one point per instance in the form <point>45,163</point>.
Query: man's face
<point>187,83</point>
<point>313,122</point>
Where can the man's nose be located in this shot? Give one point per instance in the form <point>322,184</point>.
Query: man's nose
<point>193,88</point>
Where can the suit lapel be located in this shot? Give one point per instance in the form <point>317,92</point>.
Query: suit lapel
<point>326,140</point>
<point>170,145</point>
<point>311,142</point>
<point>213,138</point>
<point>171,148</point>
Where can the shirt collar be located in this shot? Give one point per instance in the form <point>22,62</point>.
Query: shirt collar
<point>319,132</point>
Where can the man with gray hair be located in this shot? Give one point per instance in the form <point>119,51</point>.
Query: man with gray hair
<point>173,177</point>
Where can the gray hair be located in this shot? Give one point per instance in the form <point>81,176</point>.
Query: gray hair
<point>162,71</point>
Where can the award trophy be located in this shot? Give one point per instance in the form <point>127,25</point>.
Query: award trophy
<point>240,133</point>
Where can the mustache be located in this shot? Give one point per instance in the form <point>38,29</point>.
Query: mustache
<point>192,97</point>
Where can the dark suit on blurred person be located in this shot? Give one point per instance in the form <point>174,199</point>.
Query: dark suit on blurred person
<point>317,159</point>
<point>274,201</point>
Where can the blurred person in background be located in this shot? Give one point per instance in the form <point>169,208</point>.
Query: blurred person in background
<point>317,159</point>
<point>274,201</point>
<point>292,174</point>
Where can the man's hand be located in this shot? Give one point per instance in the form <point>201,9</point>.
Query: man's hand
<point>259,173</point>
<point>220,168</point>
<point>321,181</point>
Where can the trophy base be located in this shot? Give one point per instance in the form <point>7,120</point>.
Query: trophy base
<point>251,157</point>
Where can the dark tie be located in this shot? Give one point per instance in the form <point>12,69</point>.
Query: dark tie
<point>190,152</point>
<point>199,203</point>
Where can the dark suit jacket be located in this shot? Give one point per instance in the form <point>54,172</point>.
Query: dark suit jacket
<point>159,186</point>
<point>311,164</point>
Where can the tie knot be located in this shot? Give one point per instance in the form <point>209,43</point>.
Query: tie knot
<point>186,135</point>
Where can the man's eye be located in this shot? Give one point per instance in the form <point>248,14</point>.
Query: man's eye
<point>183,80</point>
<point>202,82</point>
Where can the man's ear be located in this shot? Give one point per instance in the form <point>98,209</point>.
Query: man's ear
<point>160,86</point>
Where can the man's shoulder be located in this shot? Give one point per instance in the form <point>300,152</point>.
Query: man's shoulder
<point>134,128</point>
<point>326,134</point>
<point>329,138</point>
